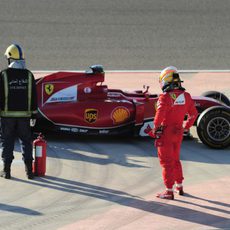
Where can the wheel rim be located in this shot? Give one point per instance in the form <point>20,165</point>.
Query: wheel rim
<point>219,129</point>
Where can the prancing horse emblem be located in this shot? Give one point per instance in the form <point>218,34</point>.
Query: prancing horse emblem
<point>49,88</point>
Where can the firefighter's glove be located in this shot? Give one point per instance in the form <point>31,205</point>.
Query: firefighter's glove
<point>32,122</point>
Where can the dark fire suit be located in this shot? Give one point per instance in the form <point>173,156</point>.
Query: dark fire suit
<point>18,103</point>
<point>172,107</point>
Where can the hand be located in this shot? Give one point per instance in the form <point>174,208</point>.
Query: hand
<point>32,122</point>
<point>152,134</point>
<point>186,133</point>
<point>156,132</point>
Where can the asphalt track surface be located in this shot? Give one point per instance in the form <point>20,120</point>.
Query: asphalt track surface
<point>111,183</point>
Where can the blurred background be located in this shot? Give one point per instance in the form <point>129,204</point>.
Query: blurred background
<point>119,34</point>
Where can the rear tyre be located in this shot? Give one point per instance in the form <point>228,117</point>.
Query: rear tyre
<point>218,96</point>
<point>213,127</point>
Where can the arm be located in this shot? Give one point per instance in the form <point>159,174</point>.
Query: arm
<point>163,106</point>
<point>2,92</point>
<point>192,114</point>
<point>34,105</point>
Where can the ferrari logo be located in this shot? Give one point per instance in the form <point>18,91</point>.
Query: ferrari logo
<point>49,88</point>
<point>91,115</point>
<point>173,96</point>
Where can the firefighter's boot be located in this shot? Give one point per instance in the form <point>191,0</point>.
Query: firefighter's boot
<point>5,173</point>
<point>28,169</point>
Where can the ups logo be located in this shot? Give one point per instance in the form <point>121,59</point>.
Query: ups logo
<point>91,115</point>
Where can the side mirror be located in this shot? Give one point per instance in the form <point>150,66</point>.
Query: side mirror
<point>146,92</point>
<point>146,89</point>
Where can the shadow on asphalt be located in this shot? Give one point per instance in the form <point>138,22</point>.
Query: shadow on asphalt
<point>122,198</point>
<point>205,206</point>
<point>18,209</point>
<point>98,150</point>
<point>191,149</point>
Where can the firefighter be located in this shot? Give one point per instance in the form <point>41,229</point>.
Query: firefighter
<point>172,107</point>
<point>18,104</point>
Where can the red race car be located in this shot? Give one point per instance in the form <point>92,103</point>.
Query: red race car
<point>79,103</point>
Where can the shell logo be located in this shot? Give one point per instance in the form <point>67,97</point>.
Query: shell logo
<point>120,114</point>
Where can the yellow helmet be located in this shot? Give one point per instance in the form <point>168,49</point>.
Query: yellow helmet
<point>169,77</point>
<point>15,52</point>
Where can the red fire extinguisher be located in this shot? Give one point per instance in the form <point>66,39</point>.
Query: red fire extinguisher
<point>39,165</point>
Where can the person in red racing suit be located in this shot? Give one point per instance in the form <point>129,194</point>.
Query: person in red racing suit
<point>172,107</point>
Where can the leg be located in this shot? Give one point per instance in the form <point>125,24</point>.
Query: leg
<point>178,172</point>
<point>8,138</point>
<point>24,133</point>
<point>166,162</point>
<point>25,138</point>
<point>167,165</point>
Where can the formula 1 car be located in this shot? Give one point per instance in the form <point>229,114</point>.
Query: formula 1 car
<point>79,103</point>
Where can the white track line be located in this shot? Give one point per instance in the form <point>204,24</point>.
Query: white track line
<point>136,71</point>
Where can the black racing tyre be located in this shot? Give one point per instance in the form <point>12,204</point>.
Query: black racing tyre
<point>218,96</point>
<point>213,127</point>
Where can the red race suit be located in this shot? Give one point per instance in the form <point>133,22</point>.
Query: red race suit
<point>172,107</point>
